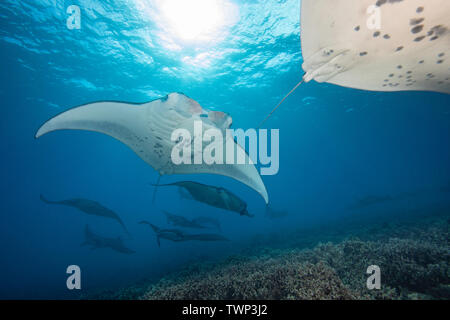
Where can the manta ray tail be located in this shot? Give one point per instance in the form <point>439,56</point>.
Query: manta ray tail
<point>279,104</point>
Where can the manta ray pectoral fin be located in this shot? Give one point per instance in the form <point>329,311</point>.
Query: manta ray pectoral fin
<point>392,45</point>
<point>116,119</point>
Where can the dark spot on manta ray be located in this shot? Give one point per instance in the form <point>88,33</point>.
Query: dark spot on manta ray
<point>409,72</point>
<point>376,34</point>
<point>379,3</point>
<point>391,75</point>
<point>399,48</point>
<point>417,29</point>
<point>419,9</point>
<point>439,30</point>
<point>386,36</point>
<point>419,38</point>
<point>430,33</point>
<point>440,55</point>
<point>434,38</point>
<point>439,61</point>
<point>399,66</point>
<point>362,54</point>
<point>415,21</point>
<point>357,28</point>
<point>421,61</point>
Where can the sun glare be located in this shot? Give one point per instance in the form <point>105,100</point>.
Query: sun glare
<point>194,19</point>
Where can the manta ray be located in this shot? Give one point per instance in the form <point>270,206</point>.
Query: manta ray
<point>217,197</point>
<point>98,242</point>
<point>181,221</point>
<point>176,235</point>
<point>208,222</point>
<point>89,207</point>
<point>376,45</point>
<point>147,129</point>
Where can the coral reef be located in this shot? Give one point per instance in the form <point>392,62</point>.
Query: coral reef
<point>407,266</point>
<point>258,278</point>
<point>414,259</point>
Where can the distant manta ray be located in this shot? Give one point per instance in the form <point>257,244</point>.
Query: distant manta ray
<point>214,196</point>
<point>95,242</point>
<point>88,206</point>
<point>181,221</point>
<point>176,235</point>
<point>408,47</point>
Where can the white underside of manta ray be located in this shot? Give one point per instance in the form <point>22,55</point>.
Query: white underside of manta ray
<point>409,51</point>
<point>147,129</point>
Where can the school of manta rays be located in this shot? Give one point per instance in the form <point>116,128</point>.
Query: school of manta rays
<point>407,51</point>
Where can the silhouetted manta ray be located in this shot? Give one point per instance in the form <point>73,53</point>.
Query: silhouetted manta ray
<point>88,206</point>
<point>207,221</point>
<point>95,241</point>
<point>147,129</point>
<point>176,235</point>
<point>214,196</point>
<point>181,221</point>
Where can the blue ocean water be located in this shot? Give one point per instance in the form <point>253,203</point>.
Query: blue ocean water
<point>241,57</point>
